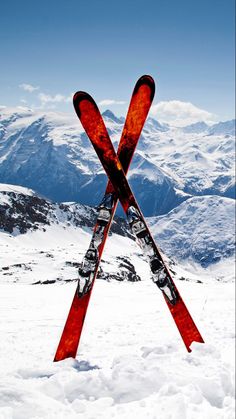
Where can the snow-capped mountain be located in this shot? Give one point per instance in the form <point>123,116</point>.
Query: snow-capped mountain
<point>109,115</point>
<point>35,233</point>
<point>22,210</point>
<point>51,154</point>
<point>201,229</point>
<point>223,128</point>
<point>196,128</point>
<point>132,374</point>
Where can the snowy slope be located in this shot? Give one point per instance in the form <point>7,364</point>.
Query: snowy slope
<point>169,162</point>
<point>201,229</point>
<point>36,233</point>
<point>223,128</point>
<point>196,128</point>
<point>21,210</point>
<point>131,363</point>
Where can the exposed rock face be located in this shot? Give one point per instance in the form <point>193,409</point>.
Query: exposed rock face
<point>22,210</point>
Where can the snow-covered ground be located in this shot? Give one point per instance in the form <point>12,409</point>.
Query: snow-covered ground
<point>131,361</point>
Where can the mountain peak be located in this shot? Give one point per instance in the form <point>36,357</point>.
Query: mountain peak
<point>153,123</point>
<point>109,114</point>
<point>196,127</point>
<point>223,128</point>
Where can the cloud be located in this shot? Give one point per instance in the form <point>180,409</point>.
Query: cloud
<point>50,101</point>
<point>45,100</point>
<point>28,87</point>
<point>180,113</point>
<point>108,102</point>
<point>58,98</point>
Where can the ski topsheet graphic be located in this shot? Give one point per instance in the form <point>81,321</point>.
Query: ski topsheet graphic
<point>93,124</point>
<point>137,113</point>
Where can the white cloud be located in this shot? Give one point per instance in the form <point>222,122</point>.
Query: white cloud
<point>180,113</point>
<point>108,102</point>
<point>28,87</point>
<point>44,98</point>
<point>58,98</point>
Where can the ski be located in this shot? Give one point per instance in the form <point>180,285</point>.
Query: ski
<point>93,124</point>
<point>140,103</point>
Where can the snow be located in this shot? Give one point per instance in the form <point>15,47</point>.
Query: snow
<point>35,147</point>
<point>201,228</point>
<point>16,189</point>
<point>131,361</point>
<point>226,127</point>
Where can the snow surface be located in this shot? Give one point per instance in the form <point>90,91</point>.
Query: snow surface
<point>131,362</point>
<point>201,229</point>
<point>16,189</point>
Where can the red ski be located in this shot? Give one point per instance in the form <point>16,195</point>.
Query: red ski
<point>93,124</point>
<point>137,113</point>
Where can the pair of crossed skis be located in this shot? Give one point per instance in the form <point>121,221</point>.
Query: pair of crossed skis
<point>116,167</point>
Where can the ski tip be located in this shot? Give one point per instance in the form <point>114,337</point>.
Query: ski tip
<point>79,97</point>
<point>147,80</point>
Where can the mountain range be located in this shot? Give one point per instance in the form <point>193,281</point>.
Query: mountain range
<point>200,229</point>
<point>51,154</point>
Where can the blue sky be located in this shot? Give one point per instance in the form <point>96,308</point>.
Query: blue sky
<point>100,46</point>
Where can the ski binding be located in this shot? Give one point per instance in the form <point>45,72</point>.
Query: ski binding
<point>86,271</point>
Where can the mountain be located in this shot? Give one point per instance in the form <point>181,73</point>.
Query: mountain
<point>201,229</point>
<point>125,362</point>
<point>223,128</point>
<point>22,210</point>
<point>153,125</point>
<point>110,115</point>
<point>43,242</point>
<point>196,128</point>
<point>51,154</point>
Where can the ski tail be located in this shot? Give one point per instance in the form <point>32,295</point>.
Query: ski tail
<point>140,104</point>
<point>185,324</point>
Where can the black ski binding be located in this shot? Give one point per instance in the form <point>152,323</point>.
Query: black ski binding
<point>104,209</point>
<point>137,226</point>
<point>86,271</point>
<point>161,279</point>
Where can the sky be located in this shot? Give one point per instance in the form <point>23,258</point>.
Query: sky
<point>51,49</point>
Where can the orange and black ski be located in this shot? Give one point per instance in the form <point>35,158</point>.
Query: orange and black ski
<point>94,126</point>
<point>140,103</point>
